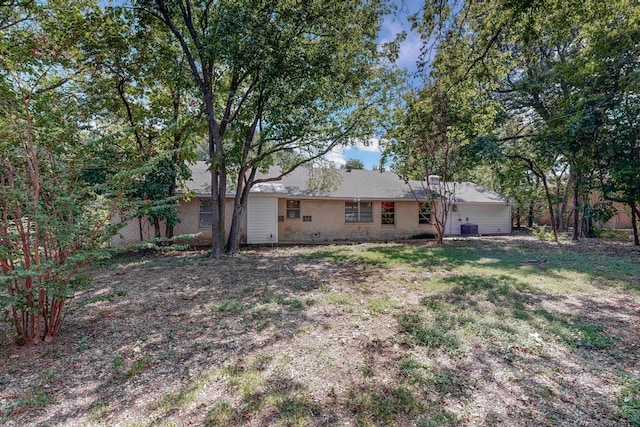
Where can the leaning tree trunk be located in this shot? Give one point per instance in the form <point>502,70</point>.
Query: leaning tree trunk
<point>552,218</point>
<point>240,203</point>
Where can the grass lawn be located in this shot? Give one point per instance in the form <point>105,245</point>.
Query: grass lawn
<point>484,331</point>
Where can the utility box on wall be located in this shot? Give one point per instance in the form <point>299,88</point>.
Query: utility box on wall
<point>469,229</point>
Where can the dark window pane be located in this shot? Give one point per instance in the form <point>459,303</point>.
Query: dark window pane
<point>366,212</point>
<point>206,213</point>
<point>424,214</point>
<point>293,209</point>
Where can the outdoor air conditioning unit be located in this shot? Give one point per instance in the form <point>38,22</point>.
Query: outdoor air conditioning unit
<point>468,229</point>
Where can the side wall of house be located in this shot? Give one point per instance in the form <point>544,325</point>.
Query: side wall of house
<point>190,224</point>
<point>491,218</point>
<point>130,232</point>
<point>189,213</point>
<point>327,222</point>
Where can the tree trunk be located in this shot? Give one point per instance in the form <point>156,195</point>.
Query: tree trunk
<point>169,227</point>
<point>169,231</point>
<point>233,243</point>
<point>518,217</point>
<point>530,216</point>
<point>634,222</point>
<point>576,211</point>
<point>552,218</point>
<point>217,226</point>
<point>156,229</point>
<point>222,193</point>
<point>218,176</point>
<point>562,216</point>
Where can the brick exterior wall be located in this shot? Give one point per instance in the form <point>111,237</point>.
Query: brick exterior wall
<point>328,223</point>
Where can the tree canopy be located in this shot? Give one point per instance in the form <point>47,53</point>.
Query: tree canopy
<point>544,92</point>
<point>274,78</point>
<point>353,164</point>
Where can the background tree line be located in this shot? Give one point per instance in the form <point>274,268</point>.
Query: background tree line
<point>537,99</point>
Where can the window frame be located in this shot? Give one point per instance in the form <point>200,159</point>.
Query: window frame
<point>293,209</point>
<point>388,213</point>
<point>203,213</point>
<point>422,206</point>
<point>358,212</point>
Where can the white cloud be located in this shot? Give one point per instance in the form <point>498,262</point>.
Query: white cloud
<point>368,153</point>
<point>373,145</point>
<point>336,156</point>
<point>410,51</point>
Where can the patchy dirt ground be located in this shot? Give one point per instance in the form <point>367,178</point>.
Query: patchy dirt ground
<point>373,334</point>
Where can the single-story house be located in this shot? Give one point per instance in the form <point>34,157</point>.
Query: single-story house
<point>353,205</point>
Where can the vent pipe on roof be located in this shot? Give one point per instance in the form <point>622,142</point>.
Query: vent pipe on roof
<point>433,180</point>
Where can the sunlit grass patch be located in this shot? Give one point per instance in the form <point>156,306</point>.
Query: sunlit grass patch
<point>338,299</point>
<point>288,402</point>
<point>382,306</point>
<point>411,257</point>
<point>292,304</point>
<point>428,334</point>
<point>629,400</point>
<point>436,417</point>
<point>245,380</point>
<point>136,368</point>
<point>233,307</point>
<point>97,412</point>
<point>385,406</point>
<point>175,401</point>
<point>501,308</point>
<point>222,414</point>
<point>415,370</point>
<point>295,409</point>
<point>588,335</point>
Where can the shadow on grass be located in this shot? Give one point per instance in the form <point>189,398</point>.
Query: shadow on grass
<point>188,328</point>
<point>503,305</point>
<point>500,334</point>
<point>528,258</point>
<point>180,314</point>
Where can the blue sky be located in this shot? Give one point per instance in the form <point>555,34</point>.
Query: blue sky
<point>409,51</point>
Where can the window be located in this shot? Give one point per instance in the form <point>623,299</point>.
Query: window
<point>424,214</point>
<point>358,211</point>
<point>388,213</point>
<point>293,209</point>
<point>206,213</point>
<point>306,218</point>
